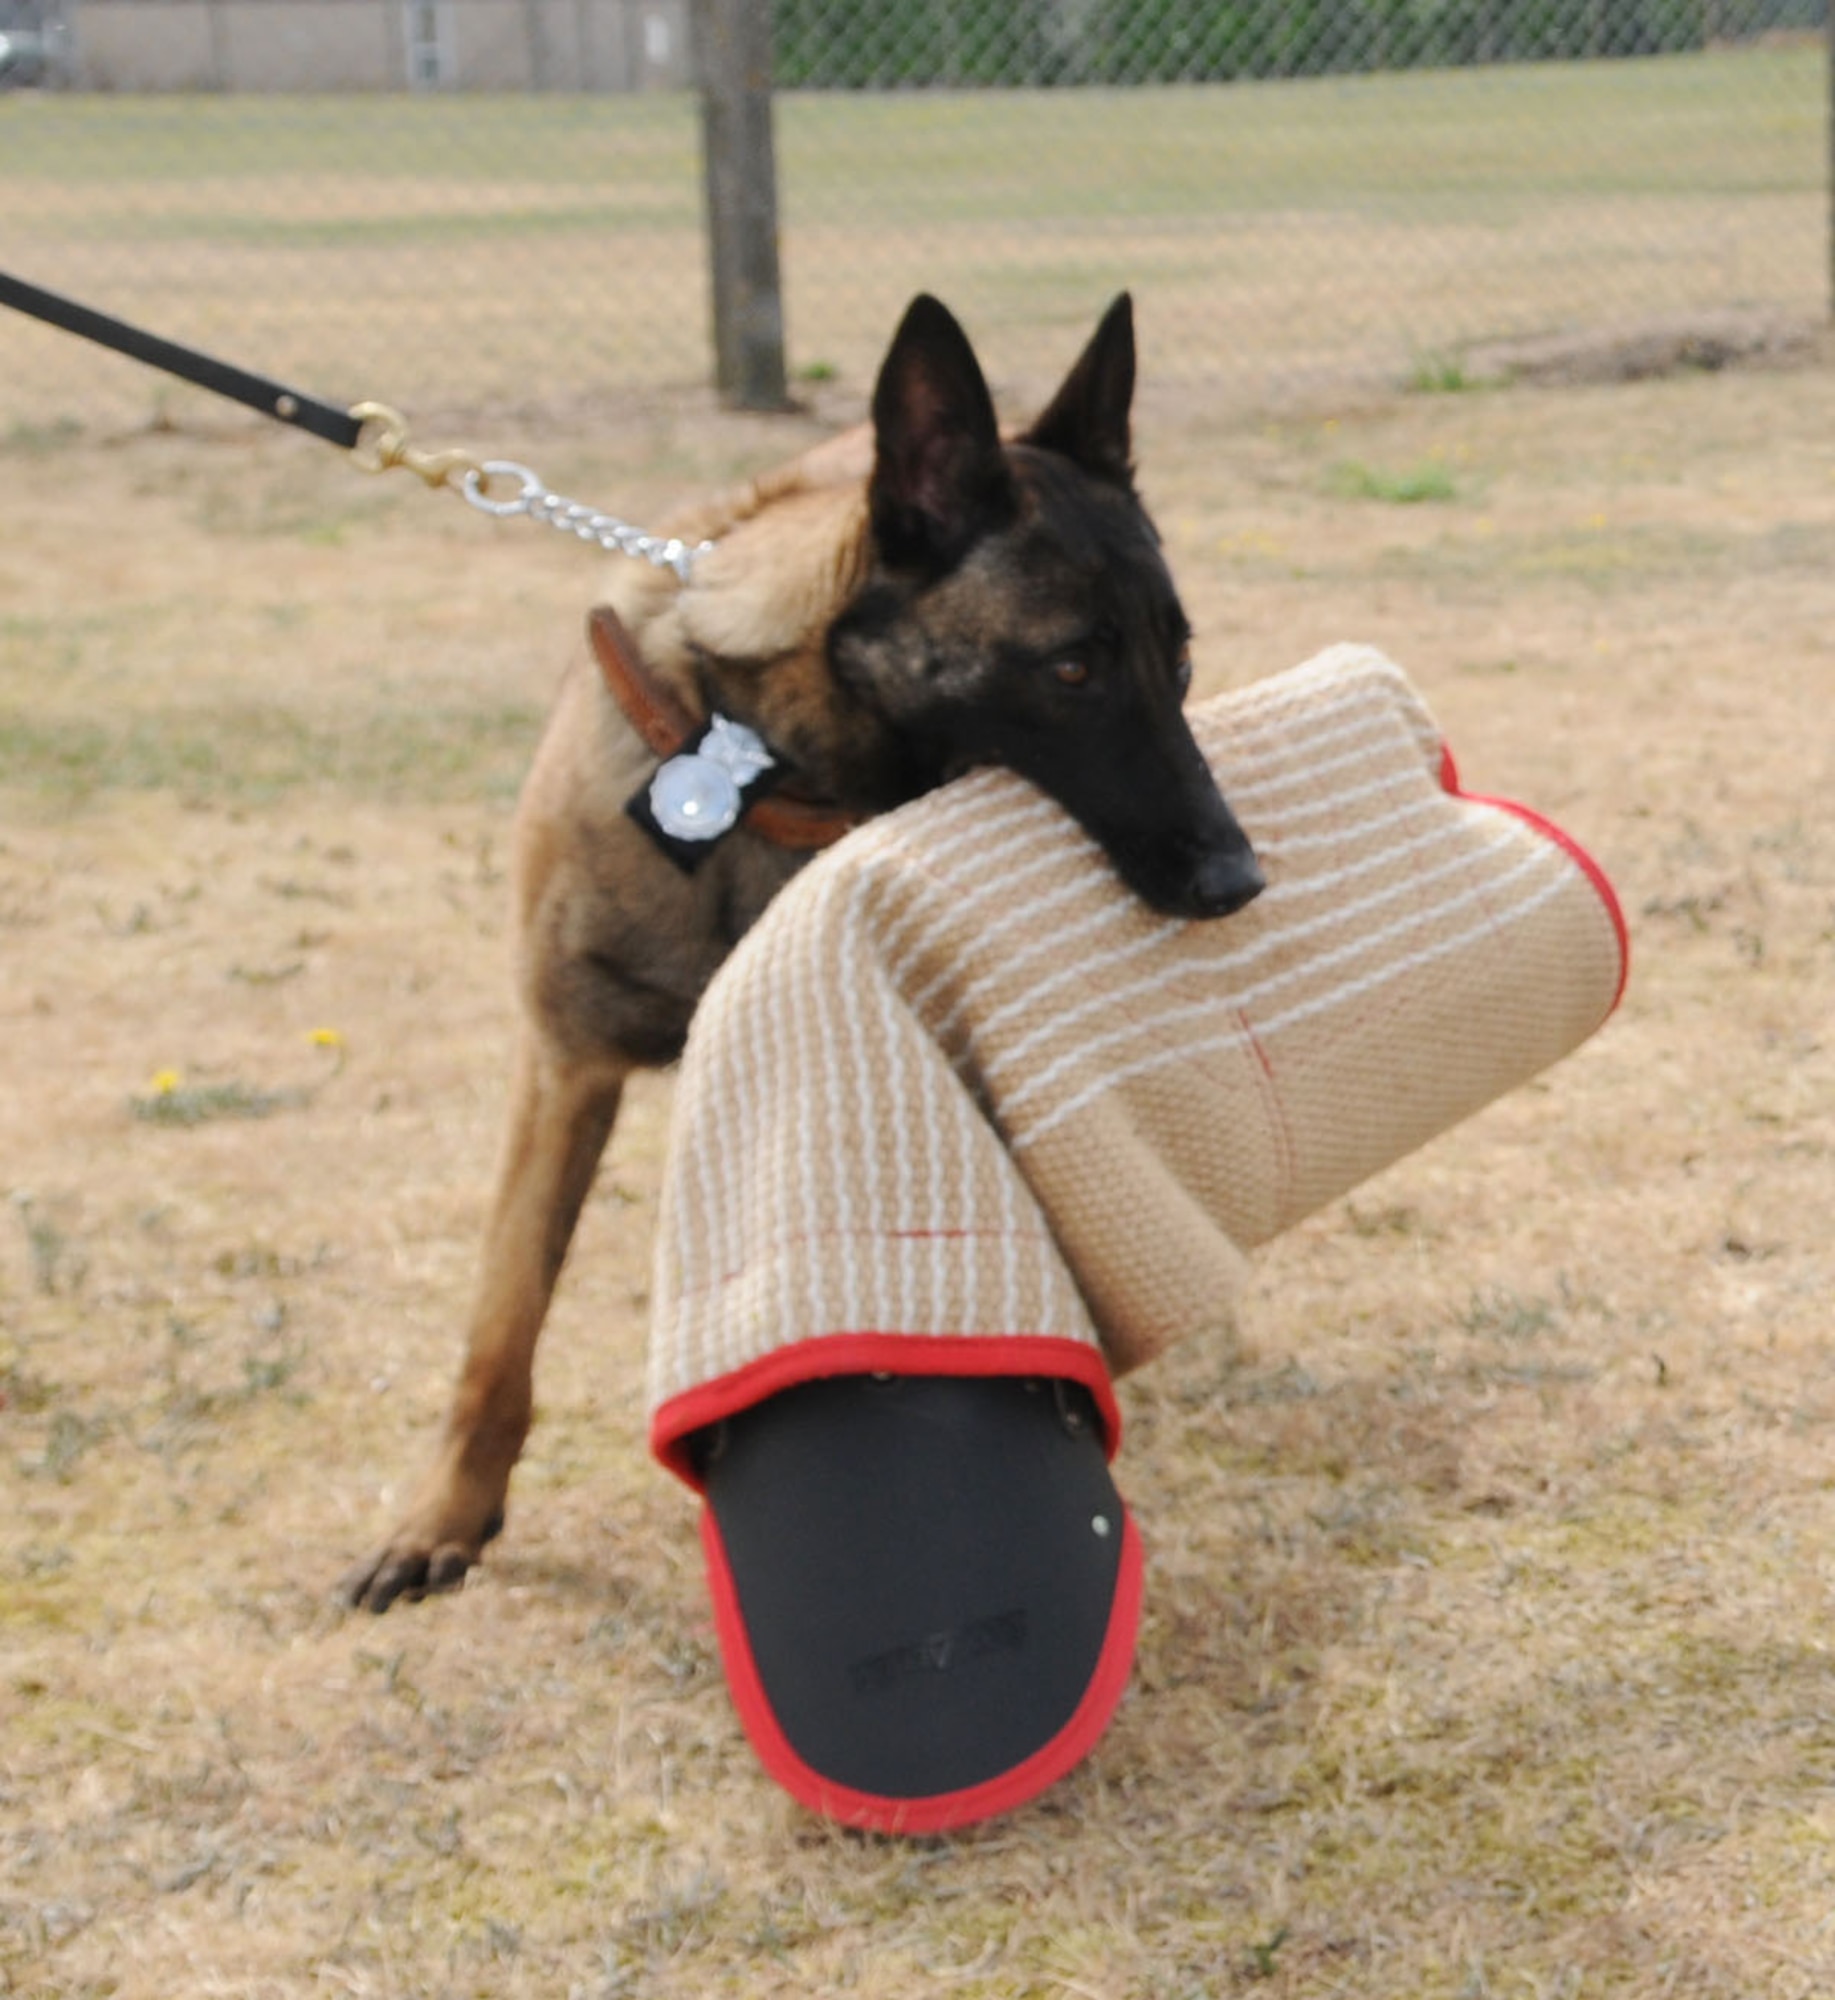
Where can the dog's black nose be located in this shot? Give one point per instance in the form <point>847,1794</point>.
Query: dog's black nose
<point>1224,883</point>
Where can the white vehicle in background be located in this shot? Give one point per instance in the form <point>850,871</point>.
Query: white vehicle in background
<point>34,44</point>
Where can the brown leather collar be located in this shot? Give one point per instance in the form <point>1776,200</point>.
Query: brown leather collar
<point>666,723</point>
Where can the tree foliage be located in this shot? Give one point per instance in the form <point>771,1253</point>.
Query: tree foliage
<point>892,44</point>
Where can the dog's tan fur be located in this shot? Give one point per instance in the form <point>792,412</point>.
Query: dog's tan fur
<point>789,550</point>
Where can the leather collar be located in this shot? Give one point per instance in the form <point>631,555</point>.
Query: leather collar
<point>666,724</point>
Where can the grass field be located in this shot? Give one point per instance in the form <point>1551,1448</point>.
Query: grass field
<point>1487,1640</point>
<point>531,252</point>
<point>1486,1653</point>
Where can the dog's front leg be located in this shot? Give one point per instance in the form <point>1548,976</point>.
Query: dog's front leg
<point>561,1117</point>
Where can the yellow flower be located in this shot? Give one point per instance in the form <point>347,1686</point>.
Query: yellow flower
<point>165,1082</point>
<point>326,1038</point>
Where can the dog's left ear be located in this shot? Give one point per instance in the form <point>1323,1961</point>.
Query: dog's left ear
<point>1087,421</point>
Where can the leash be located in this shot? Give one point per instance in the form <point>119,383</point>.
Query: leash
<point>712,773</point>
<point>375,435</point>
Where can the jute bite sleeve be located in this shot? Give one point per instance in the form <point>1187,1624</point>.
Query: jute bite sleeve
<point>959,1087</point>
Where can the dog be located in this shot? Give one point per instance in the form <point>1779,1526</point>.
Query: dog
<point>897,606</point>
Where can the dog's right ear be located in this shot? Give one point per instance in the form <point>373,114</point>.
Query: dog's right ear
<point>1088,418</point>
<point>940,480</point>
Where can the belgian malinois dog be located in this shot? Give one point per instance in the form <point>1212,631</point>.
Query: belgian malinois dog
<point>895,607</point>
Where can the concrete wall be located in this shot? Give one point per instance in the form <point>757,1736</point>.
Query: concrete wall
<point>363,45</point>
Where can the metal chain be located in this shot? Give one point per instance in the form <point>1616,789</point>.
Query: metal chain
<point>387,447</point>
<point>573,517</point>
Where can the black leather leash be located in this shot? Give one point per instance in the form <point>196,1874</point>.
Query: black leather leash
<point>711,774</point>
<point>258,392</point>
<point>375,435</point>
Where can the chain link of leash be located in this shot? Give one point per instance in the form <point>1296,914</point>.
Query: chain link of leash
<point>384,445</point>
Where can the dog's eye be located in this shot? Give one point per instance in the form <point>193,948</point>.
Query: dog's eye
<point>1070,673</point>
<point>1182,672</point>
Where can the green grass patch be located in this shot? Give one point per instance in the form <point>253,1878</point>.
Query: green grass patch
<point>1437,374</point>
<point>627,142</point>
<point>1463,141</point>
<point>188,1104</point>
<point>1470,142</point>
<point>1500,1314</point>
<point>23,439</point>
<point>1408,486</point>
<point>264,232</point>
<point>252,755</point>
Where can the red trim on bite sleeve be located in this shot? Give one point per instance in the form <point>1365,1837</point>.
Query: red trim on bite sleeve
<point>968,1355</point>
<point>1596,875</point>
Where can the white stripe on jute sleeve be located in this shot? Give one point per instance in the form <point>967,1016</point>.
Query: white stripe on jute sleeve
<point>959,1081</point>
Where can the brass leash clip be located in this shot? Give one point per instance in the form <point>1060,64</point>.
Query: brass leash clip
<point>384,444</point>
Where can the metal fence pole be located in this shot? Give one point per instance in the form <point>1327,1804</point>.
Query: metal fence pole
<point>732,52</point>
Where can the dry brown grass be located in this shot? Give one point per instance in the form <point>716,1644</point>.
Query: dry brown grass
<point>1487,1642</point>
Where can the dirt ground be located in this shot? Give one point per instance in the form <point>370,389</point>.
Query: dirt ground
<point>1487,1639</point>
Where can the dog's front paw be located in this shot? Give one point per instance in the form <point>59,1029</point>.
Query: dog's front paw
<point>412,1565</point>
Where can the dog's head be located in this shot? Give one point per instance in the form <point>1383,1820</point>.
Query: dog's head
<point>1019,610</point>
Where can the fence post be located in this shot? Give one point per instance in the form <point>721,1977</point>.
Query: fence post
<point>535,49</point>
<point>732,53</point>
<point>219,46</point>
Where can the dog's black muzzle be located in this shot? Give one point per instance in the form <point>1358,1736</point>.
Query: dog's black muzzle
<point>1201,871</point>
<point>1223,883</point>
<point>1170,833</point>
<point>1140,787</point>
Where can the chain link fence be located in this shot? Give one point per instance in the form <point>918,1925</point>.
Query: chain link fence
<point>952,44</point>
<point>1299,195</point>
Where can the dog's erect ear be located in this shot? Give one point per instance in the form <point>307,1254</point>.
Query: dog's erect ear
<point>1088,418</point>
<point>939,478</point>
